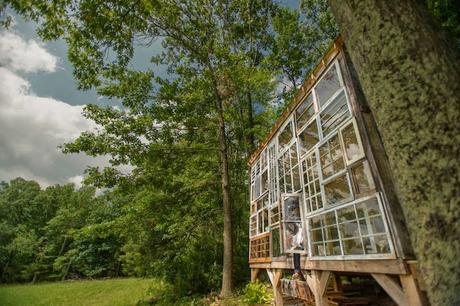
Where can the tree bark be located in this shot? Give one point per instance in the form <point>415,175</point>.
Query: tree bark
<point>227,270</point>
<point>410,77</point>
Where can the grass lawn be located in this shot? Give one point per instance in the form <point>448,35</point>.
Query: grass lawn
<point>128,291</point>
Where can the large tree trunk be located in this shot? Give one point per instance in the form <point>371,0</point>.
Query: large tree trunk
<point>410,77</point>
<point>225,185</point>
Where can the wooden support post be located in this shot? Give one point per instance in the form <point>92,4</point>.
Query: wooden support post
<point>320,279</point>
<point>392,288</point>
<point>337,283</point>
<point>276,283</point>
<point>411,290</point>
<point>254,274</point>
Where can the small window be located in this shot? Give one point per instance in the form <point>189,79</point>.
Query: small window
<point>293,237</point>
<point>274,215</point>
<point>285,136</point>
<point>304,112</point>
<point>308,138</point>
<point>331,157</point>
<point>351,142</point>
<point>253,225</point>
<point>334,114</point>
<point>276,242</point>
<point>337,190</point>
<point>328,86</point>
<point>361,176</point>
<point>312,190</point>
<point>291,208</point>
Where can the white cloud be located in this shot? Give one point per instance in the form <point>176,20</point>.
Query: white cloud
<point>32,127</point>
<point>77,180</point>
<point>27,56</point>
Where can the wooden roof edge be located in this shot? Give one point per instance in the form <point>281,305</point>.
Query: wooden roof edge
<point>330,54</point>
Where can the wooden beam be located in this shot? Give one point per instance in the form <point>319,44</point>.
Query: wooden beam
<point>411,290</point>
<point>392,288</point>
<point>320,283</point>
<point>277,275</point>
<point>381,266</point>
<point>254,274</point>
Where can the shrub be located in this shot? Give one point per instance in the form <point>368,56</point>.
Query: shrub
<point>256,293</point>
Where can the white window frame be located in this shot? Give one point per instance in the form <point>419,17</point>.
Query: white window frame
<point>301,222</point>
<point>390,255</point>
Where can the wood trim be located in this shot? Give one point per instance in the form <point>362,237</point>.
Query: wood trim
<point>330,55</point>
<point>260,236</point>
<point>389,266</point>
<point>260,260</point>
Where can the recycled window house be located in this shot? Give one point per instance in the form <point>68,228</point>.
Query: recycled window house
<point>320,187</point>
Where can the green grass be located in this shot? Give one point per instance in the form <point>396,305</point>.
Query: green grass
<point>128,291</point>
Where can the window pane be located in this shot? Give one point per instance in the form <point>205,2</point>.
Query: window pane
<point>349,229</point>
<point>276,243</point>
<point>291,209</point>
<point>376,244</point>
<point>260,228</point>
<point>294,236</point>
<point>334,114</point>
<point>331,157</point>
<point>253,225</point>
<point>308,138</point>
<point>346,214</point>
<point>264,181</point>
<point>328,86</point>
<point>296,178</point>
<point>333,248</point>
<point>331,232</point>
<point>329,219</point>
<point>316,222</point>
<point>368,208</point>
<point>275,216</point>
<point>317,235</point>
<point>318,249</point>
<point>266,226</point>
<point>350,140</point>
<point>337,190</point>
<point>371,226</point>
<point>285,136</point>
<point>352,246</point>
<point>362,179</point>
<point>304,112</point>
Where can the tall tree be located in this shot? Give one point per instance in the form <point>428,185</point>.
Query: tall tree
<point>410,77</point>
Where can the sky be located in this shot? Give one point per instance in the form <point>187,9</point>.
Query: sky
<point>41,107</point>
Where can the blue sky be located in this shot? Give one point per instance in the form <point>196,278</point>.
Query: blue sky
<point>41,106</point>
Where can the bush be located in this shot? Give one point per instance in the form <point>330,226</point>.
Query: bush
<point>256,293</point>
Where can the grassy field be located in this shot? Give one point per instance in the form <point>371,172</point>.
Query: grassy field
<point>115,292</point>
<point>129,291</point>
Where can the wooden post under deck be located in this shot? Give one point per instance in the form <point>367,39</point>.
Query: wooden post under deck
<point>276,282</point>
<point>254,274</point>
<point>320,279</point>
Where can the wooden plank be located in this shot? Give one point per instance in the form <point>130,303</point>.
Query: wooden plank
<point>320,280</point>
<point>277,274</point>
<point>392,288</point>
<point>323,282</point>
<point>254,274</point>
<point>385,266</point>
